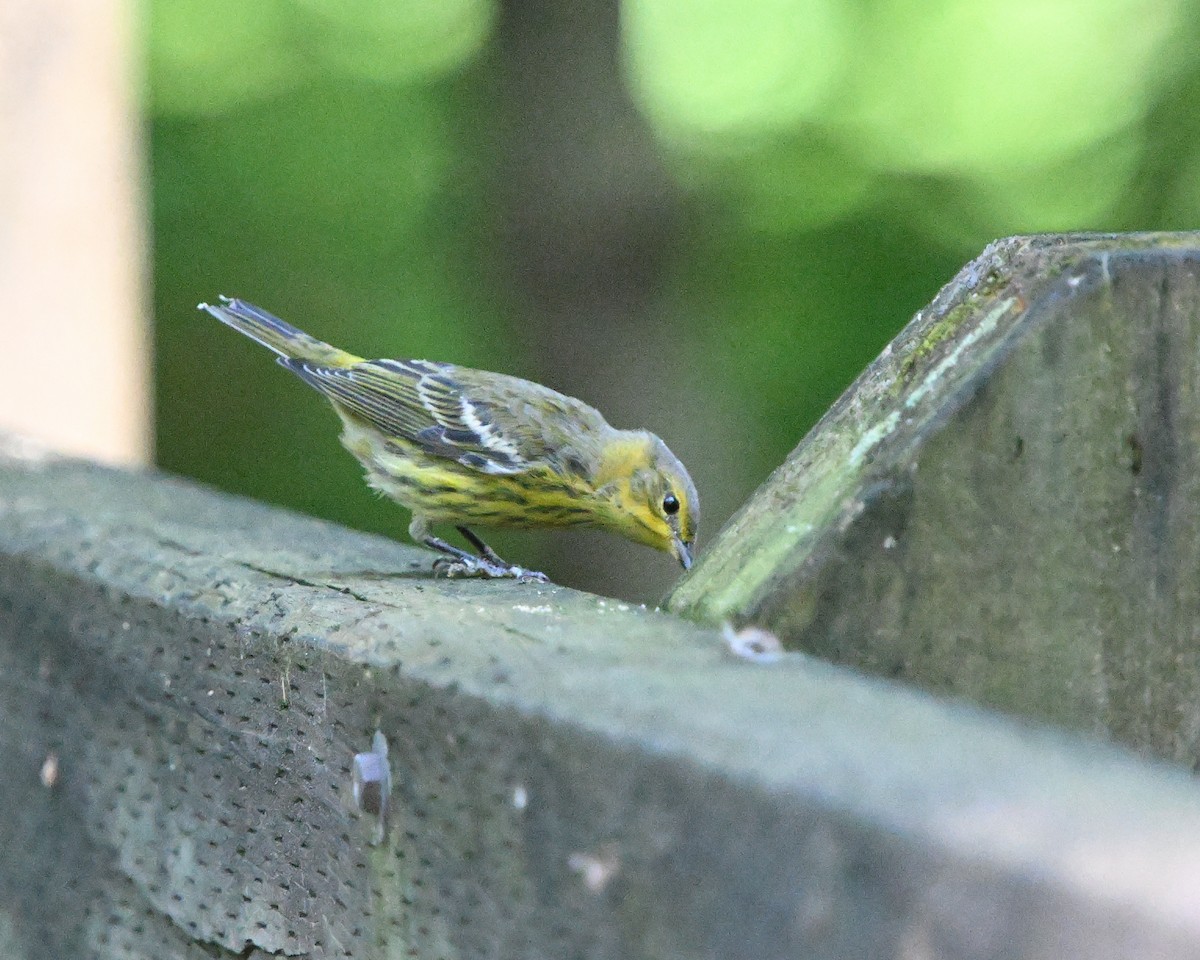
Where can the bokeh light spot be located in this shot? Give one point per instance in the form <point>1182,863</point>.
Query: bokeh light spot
<point>714,68</point>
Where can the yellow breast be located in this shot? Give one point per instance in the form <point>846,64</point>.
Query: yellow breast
<point>445,491</point>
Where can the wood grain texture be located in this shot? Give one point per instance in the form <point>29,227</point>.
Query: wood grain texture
<point>573,778</point>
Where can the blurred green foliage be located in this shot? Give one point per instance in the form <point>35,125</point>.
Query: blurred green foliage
<point>705,216</point>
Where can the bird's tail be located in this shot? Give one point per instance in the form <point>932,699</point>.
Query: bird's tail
<point>274,334</point>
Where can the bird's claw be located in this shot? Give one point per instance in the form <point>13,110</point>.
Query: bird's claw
<point>481,567</point>
<point>527,576</point>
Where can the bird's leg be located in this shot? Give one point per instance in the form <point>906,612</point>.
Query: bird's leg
<point>453,554</point>
<point>490,555</point>
<point>457,562</point>
<point>484,550</point>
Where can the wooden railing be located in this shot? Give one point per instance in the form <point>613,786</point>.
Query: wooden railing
<point>186,679</point>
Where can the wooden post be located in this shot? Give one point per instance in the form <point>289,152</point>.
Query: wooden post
<point>1006,504</point>
<point>71,259</point>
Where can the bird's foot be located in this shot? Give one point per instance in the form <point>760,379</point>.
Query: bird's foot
<point>452,567</point>
<point>522,575</point>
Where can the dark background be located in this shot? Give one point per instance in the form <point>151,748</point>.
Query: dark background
<point>704,218</point>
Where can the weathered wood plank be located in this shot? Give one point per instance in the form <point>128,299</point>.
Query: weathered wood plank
<point>1006,504</point>
<point>572,778</point>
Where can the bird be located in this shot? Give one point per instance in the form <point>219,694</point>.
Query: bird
<point>469,448</point>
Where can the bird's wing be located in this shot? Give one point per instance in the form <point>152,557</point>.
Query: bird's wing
<point>489,422</point>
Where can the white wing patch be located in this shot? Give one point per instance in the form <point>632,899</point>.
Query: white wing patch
<point>488,437</point>
<point>420,401</point>
<point>463,424</point>
<point>429,400</point>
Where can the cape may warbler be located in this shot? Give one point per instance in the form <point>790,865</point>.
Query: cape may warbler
<point>465,447</point>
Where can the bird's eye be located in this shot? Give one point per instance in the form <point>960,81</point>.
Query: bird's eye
<point>670,503</point>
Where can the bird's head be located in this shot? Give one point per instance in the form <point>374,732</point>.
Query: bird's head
<point>651,498</point>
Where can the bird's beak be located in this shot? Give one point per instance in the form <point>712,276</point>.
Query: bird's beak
<point>683,553</point>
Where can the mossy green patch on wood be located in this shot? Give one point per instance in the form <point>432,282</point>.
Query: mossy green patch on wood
<point>1017,519</point>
